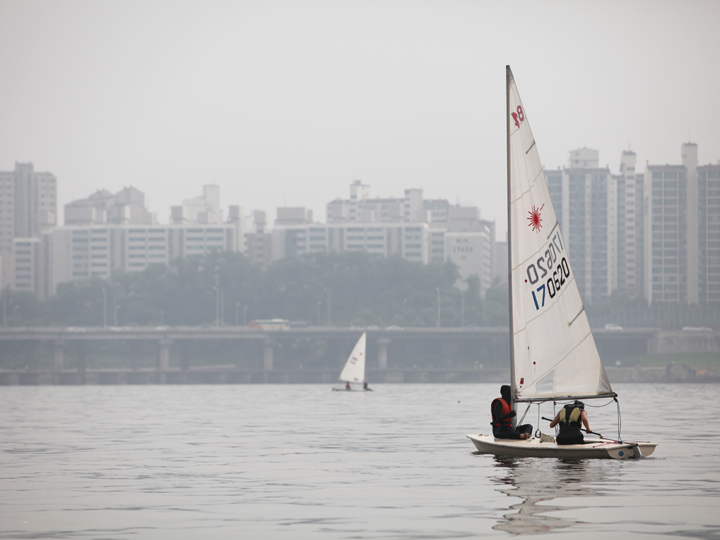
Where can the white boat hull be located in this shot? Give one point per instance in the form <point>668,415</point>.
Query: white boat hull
<point>601,449</point>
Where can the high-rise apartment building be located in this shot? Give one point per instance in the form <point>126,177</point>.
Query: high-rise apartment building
<point>666,238</point>
<point>708,200</point>
<point>630,240</point>
<point>682,231</point>
<point>28,207</point>
<point>585,199</point>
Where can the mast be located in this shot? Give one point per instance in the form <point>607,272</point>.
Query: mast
<point>508,79</point>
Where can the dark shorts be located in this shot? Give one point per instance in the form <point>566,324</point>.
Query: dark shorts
<point>508,432</point>
<point>577,439</point>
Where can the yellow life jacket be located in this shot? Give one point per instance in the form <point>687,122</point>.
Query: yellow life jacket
<point>573,418</point>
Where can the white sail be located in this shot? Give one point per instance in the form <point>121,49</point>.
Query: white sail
<point>553,350</point>
<point>354,370</point>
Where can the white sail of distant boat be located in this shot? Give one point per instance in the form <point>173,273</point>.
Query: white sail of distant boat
<point>553,353</point>
<point>354,371</point>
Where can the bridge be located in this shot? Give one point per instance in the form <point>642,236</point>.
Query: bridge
<point>54,355</point>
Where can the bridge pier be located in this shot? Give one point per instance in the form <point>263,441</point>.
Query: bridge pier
<point>81,349</point>
<point>267,356</point>
<point>58,355</point>
<point>163,354</point>
<point>30,356</point>
<point>383,353</point>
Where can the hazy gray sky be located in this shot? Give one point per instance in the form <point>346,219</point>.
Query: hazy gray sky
<point>285,103</point>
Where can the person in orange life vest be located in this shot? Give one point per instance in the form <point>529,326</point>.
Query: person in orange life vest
<point>347,385</point>
<point>502,416</point>
<point>569,418</point>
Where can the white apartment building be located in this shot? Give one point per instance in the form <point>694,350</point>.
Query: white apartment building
<point>472,253</point>
<point>26,256</point>
<point>407,240</point>
<point>441,218</point>
<point>78,253</point>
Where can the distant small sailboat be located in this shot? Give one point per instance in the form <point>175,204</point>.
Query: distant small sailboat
<point>553,354</point>
<point>354,371</point>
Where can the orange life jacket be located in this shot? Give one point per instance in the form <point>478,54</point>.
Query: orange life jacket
<point>505,410</point>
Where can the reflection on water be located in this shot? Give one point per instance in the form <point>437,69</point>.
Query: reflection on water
<point>538,482</point>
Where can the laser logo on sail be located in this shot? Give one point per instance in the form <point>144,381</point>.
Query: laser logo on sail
<point>535,218</point>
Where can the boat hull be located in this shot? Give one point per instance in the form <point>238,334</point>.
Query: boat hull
<point>537,447</point>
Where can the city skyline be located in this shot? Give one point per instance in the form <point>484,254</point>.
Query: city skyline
<point>224,205</point>
<point>276,102</point>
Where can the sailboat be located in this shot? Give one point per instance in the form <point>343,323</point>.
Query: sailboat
<point>553,353</point>
<point>354,371</point>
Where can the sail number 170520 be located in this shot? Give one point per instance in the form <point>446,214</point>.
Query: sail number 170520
<point>548,273</point>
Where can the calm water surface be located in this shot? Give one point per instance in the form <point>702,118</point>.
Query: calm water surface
<point>286,461</point>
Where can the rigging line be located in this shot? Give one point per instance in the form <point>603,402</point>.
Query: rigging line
<point>525,413</point>
<point>540,174</point>
<point>582,308</point>
<point>603,405</point>
<point>552,230</point>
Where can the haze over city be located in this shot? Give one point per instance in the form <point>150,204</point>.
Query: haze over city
<point>286,103</point>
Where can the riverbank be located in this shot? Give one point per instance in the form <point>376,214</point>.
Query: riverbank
<point>230,374</point>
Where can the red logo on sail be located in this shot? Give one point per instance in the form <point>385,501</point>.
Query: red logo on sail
<point>535,218</point>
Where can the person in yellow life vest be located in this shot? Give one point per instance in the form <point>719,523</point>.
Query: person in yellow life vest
<point>502,415</point>
<point>570,418</point>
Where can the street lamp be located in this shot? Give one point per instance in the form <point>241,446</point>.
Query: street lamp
<point>237,313</point>
<point>104,291</point>
<point>437,310</point>
<point>217,305</point>
<point>329,307</point>
<point>221,311</point>
<point>113,289</point>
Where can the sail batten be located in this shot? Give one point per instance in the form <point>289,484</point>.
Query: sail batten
<point>553,350</point>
